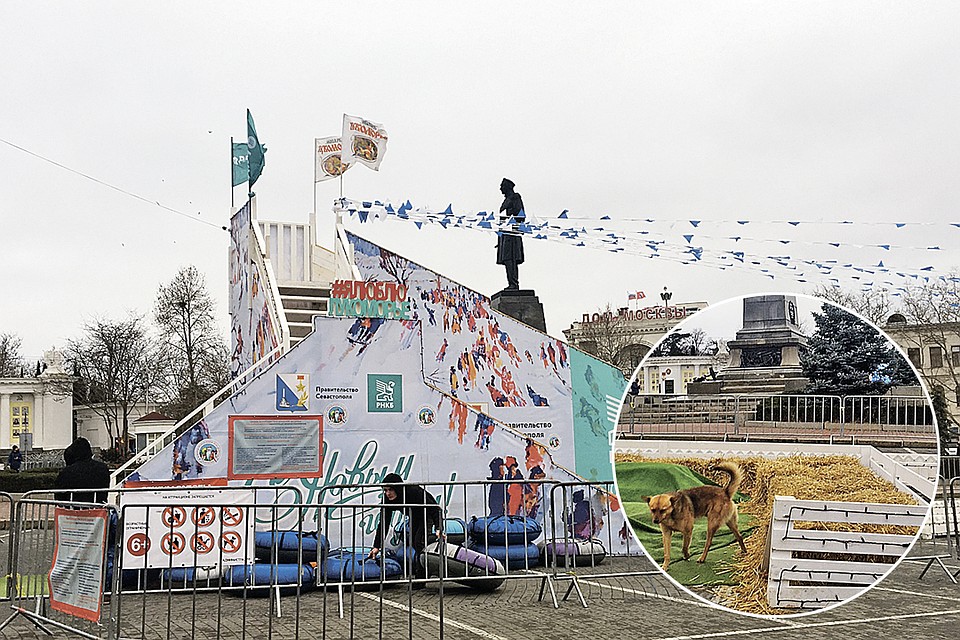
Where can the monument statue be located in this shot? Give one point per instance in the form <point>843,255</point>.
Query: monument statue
<point>509,240</point>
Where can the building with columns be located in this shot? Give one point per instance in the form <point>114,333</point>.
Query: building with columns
<point>623,337</point>
<point>41,406</point>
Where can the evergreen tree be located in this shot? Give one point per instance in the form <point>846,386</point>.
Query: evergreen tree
<point>846,356</point>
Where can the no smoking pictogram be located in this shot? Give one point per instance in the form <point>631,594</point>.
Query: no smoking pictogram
<point>230,541</point>
<point>174,516</point>
<point>172,543</point>
<point>203,516</point>
<point>202,542</point>
<point>231,516</point>
<point>138,544</point>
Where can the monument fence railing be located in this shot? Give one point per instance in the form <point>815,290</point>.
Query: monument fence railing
<point>828,418</point>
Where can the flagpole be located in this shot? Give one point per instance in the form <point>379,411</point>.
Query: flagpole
<point>231,174</point>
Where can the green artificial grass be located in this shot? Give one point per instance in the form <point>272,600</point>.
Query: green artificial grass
<point>638,479</point>
<point>29,585</point>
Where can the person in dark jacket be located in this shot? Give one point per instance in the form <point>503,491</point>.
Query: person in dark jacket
<point>509,241</point>
<point>15,459</point>
<point>82,472</point>
<point>423,522</point>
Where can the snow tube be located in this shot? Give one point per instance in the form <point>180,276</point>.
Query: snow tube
<point>268,575</point>
<point>405,557</point>
<point>455,530</point>
<point>287,545</point>
<point>573,552</point>
<point>190,577</point>
<point>349,565</point>
<point>504,530</point>
<point>513,556</point>
<point>452,561</point>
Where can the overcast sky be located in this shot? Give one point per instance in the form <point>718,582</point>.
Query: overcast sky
<point>814,111</point>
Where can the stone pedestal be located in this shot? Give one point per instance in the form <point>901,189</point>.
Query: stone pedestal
<point>522,305</point>
<point>765,356</point>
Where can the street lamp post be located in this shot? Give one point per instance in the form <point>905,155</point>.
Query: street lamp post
<point>665,296</point>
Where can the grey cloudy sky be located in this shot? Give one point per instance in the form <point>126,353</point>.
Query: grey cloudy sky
<point>757,111</point>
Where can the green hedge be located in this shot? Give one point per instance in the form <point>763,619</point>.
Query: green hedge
<point>27,480</point>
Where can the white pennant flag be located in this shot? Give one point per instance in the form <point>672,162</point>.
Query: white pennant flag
<point>328,158</point>
<point>363,141</point>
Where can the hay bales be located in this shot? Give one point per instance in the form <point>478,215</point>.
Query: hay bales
<point>839,478</point>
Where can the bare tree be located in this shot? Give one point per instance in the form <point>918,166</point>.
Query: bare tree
<point>196,354</point>
<point>11,362</point>
<point>400,268</point>
<point>932,313</point>
<point>875,304</point>
<point>117,364</point>
<point>608,337</point>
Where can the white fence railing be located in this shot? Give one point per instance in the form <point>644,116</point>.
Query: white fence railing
<point>811,568</point>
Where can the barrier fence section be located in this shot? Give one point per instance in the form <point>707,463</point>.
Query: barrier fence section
<point>813,417</point>
<point>812,568</point>
<point>572,552</point>
<point>62,566</point>
<point>6,536</point>
<point>217,561</point>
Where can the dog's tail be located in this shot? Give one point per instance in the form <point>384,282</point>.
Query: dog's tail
<point>736,476</point>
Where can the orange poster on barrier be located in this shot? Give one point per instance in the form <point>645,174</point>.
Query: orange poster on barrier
<point>76,575</point>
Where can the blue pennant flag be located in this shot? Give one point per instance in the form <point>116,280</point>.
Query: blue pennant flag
<point>363,215</point>
<point>695,223</point>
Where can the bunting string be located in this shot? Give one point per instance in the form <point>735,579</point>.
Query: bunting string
<point>662,240</point>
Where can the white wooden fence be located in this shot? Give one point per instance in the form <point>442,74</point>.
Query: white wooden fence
<point>854,558</point>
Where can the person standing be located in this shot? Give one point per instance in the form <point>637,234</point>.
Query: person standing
<point>15,459</point>
<point>422,513</point>
<point>509,241</point>
<point>82,472</point>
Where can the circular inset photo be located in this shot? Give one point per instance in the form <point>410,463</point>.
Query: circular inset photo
<point>776,454</point>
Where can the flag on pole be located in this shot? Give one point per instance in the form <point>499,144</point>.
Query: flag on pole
<point>641,295</point>
<point>328,159</point>
<point>241,163</point>
<point>255,149</point>
<point>363,141</point>
<point>631,296</point>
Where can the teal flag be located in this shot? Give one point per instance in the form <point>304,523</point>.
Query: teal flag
<point>241,164</point>
<point>255,149</point>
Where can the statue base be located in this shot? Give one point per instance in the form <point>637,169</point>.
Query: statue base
<point>522,305</point>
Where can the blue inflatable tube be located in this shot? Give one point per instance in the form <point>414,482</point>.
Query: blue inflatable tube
<point>269,575</point>
<point>287,544</point>
<point>185,577</point>
<point>455,530</point>
<point>504,530</point>
<point>513,556</point>
<point>347,565</point>
<point>573,552</point>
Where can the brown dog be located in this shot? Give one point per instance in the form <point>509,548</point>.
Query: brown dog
<point>676,512</point>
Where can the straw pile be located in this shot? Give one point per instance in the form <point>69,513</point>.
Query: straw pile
<point>840,478</point>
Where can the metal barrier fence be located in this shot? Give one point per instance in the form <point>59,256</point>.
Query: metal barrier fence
<point>193,561</point>
<point>949,467</point>
<point>811,417</point>
<point>6,537</point>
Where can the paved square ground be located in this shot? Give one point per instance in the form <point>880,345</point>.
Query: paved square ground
<point>650,607</point>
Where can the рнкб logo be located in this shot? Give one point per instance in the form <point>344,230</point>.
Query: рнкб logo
<point>384,393</point>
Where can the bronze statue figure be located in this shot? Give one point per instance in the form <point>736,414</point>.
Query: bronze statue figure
<point>509,240</point>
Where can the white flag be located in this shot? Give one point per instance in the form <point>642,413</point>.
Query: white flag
<point>363,141</point>
<point>329,162</point>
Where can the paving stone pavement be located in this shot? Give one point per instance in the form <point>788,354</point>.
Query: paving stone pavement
<point>648,607</point>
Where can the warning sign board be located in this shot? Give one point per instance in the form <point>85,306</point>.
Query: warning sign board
<point>76,576</point>
<point>181,527</point>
